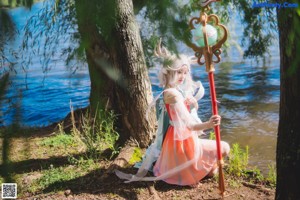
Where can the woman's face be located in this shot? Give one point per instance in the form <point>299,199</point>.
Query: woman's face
<point>181,74</point>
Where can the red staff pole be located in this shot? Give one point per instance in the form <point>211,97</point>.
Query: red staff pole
<point>210,69</point>
<point>215,112</point>
<point>217,132</point>
<point>208,51</point>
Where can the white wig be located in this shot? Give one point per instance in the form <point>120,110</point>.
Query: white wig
<point>170,65</point>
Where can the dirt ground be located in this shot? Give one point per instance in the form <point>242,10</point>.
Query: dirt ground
<point>94,186</point>
<point>99,184</point>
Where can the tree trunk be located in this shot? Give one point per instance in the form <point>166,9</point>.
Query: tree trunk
<point>288,143</point>
<point>118,72</point>
<point>134,95</point>
<point>96,50</point>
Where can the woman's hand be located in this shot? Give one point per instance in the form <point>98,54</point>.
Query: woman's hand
<point>214,120</point>
<point>192,102</point>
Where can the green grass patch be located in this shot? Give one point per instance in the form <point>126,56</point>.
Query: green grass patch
<point>238,160</point>
<point>97,133</point>
<point>271,178</point>
<point>59,140</point>
<point>238,167</point>
<point>56,177</point>
<point>61,160</point>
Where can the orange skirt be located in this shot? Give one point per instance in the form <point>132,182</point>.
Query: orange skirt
<point>175,154</point>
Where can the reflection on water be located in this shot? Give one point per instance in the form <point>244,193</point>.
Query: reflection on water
<point>248,93</point>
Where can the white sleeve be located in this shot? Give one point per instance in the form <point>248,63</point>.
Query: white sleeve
<point>182,119</point>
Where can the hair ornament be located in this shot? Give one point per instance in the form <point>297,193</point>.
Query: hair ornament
<point>160,51</point>
<point>170,61</point>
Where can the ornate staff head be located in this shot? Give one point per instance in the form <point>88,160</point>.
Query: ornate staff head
<point>205,41</point>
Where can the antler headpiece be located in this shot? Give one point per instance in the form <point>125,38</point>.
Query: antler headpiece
<point>171,61</point>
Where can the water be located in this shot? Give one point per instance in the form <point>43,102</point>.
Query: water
<point>36,98</point>
<point>44,100</point>
<point>248,92</point>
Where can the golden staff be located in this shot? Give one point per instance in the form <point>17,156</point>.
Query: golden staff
<point>204,36</point>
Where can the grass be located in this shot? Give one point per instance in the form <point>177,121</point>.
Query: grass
<point>59,140</point>
<point>96,133</point>
<point>271,178</point>
<point>238,166</point>
<point>59,162</point>
<point>238,160</point>
<point>51,161</point>
<point>55,177</point>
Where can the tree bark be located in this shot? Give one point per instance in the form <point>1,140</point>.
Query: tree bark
<point>118,72</point>
<point>134,95</point>
<point>288,143</point>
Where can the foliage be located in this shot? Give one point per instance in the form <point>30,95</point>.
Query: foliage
<point>136,156</point>
<point>62,160</point>
<point>238,165</point>
<point>172,23</point>
<point>55,177</point>
<point>85,164</point>
<point>271,178</point>
<point>17,3</point>
<point>260,24</point>
<point>238,160</point>
<point>8,31</point>
<point>58,24</point>
<point>97,133</point>
<point>212,135</point>
<point>238,168</point>
<point>59,140</point>
<point>54,25</point>
<point>253,174</point>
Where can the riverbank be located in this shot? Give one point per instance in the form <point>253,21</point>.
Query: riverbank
<point>48,164</point>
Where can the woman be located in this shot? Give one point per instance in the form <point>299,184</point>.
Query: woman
<point>183,158</point>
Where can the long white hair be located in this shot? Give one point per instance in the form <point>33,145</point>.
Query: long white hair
<point>170,64</point>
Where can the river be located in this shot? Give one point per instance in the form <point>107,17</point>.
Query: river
<point>248,91</point>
